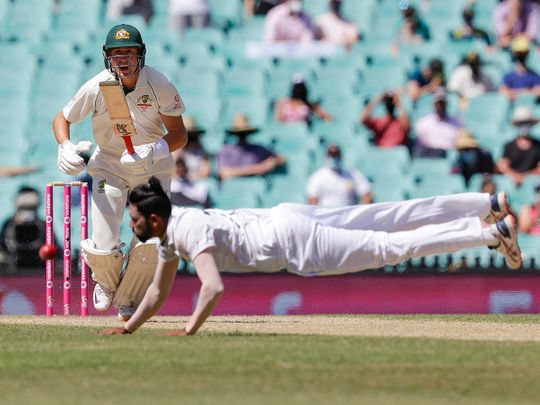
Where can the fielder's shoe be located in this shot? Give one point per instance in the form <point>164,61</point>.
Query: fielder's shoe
<point>126,312</point>
<point>102,298</point>
<point>499,207</point>
<point>506,232</point>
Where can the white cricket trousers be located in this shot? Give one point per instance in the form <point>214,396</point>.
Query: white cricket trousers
<point>322,241</point>
<point>111,184</point>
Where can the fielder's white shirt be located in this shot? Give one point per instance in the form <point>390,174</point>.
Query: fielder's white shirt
<point>337,189</point>
<point>242,240</point>
<point>153,94</point>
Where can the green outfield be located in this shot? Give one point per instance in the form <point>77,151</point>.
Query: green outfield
<point>64,361</point>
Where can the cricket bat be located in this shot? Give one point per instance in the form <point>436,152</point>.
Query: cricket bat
<point>115,101</point>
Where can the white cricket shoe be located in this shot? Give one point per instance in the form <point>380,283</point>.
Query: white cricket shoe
<point>102,298</point>
<point>126,312</point>
<point>506,232</point>
<point>499,207</point>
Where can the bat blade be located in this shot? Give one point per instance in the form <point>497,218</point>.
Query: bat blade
<point>117,107</point>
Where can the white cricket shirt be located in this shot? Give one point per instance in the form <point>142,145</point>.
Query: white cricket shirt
<point>242,240</point>
<point>153,95</point>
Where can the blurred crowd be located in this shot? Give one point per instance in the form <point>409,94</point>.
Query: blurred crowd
<point>443,82</point>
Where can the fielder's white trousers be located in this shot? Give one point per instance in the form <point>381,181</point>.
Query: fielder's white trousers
<point>321,241</point>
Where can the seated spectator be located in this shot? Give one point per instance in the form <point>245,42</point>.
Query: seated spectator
<point>469,31</point>
<point>287,22</point>
<point>414,30</point>
<point>437,132</point>
<point>185,191</point>
<point>335,186</point>
<point>391,129</point>
<point>189,14</point>
<point>471,157</point>
<point>298,107</point>
<point>426,80</point>
<point>521,157</point>
<point>529,216</point>
<point>334,28</point>
<point>118,8</point>
<point>194,155</point>
<point>468,80</point>
<point>244,158</point>
<point>513,18</point>
<point>488,184</point>
<point>259,7</point>
<point>522,79</point>
<point>23,233</point>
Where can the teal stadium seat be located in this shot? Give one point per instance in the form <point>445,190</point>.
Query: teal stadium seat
<point>225,13</point>
<point>235,83</point>
<point>255,107</point>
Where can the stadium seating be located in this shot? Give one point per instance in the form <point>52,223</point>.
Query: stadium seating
<point>47,51</point>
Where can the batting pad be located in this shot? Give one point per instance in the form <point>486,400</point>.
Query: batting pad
<point>106,265</point>
<point>139,273</point>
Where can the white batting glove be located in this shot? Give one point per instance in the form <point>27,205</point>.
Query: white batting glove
<point>145,156</point>
<point>69,161</point>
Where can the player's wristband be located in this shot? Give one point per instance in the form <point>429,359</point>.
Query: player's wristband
<point>161,149</point>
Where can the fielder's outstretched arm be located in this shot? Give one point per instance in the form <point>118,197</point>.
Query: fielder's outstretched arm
<point>209,295</point>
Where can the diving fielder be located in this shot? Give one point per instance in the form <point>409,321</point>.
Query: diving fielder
<point>156,109</point>
<point>307,240</point>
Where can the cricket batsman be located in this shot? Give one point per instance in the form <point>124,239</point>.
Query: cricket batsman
<point>156,111</point>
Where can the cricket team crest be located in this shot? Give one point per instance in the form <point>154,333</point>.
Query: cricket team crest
<point>144,102</point>
<point>101,186</point>
<point>122,34</point>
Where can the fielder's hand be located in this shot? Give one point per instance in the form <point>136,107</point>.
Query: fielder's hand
<point>145,156</point>
<point>69,161</point>
<point>114,331</point>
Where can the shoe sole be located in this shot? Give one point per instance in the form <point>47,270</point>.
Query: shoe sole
<point>508,246</point>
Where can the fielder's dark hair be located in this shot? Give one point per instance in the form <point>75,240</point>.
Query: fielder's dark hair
<point>150,198</point>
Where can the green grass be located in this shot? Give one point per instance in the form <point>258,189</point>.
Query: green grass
<point>73,365</point>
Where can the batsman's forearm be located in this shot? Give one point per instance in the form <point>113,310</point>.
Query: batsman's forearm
<point>209,297</point>
<point>61,128</point>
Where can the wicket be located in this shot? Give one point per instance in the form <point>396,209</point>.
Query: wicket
<point>49,240</point>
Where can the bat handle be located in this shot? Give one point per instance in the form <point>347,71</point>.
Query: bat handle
<point>129,144</point>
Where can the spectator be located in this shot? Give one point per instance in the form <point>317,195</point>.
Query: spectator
<point>185,191</point>
<point>24,232</point>
<point>521,157</point>
<point>335,186</point>
<point>468,80</point>
<point>529,216</point>
<point>469,31</point>
<point>334,28</point>
<point>413,31</point>
<point>244,158</point>
<point>390,129</point>
<point>437,132</point>
<point>118,8</point>
<point>513,18</point>
<point>426,80</point>
<point>287,22</point>
<point>471,157</point>
<point>298,107</point>
<point>259,7</point>
<point>195,156</point>
<point>522,79</point>
<point>488,184</point>
<point>189,14</point>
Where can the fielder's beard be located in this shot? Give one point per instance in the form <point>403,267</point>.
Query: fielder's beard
<point>144,234</point>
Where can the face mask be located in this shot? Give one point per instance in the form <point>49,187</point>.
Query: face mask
<point>295,6</point>
<point>524,129</point>
<point>334,163</point>
<point>468,157</point>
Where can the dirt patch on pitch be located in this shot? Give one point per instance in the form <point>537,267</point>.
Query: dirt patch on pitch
<point>319,325</point>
